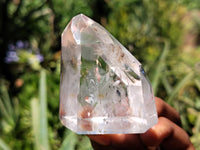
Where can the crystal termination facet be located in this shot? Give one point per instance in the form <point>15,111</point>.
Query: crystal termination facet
<point>103,88</point>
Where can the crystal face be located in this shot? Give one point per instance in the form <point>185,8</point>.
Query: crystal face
<point>103,88</point>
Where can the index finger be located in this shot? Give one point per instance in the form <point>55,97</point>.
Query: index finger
<point>165,110</point>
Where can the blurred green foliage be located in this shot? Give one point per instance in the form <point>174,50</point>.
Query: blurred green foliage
<point>163,35</point>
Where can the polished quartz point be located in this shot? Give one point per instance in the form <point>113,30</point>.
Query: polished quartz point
<point>103,88</point>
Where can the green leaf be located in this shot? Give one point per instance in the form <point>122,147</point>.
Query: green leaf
<point>6,107</point>
<point>6,99</point>
<point>4,112</point>
<point>179,85</point>
<point>43,131</point>
<point>3,145</point>
<point>160,67</point>
<point>84,144</point>
<point>166,84</point>
<point>35,121</point>
<point>69,141</point>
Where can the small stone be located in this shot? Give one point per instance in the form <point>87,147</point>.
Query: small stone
<point>103,88</point>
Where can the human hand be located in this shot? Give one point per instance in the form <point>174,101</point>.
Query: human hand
<point>167,134</point>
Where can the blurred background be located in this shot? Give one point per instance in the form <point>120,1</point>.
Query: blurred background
<point>163,34</point>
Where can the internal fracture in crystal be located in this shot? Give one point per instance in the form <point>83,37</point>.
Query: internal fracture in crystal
<point>103,88</point>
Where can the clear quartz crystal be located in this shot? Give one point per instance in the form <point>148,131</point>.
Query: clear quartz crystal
<point>103,88</point>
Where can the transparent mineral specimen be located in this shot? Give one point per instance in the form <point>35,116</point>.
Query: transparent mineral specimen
<point>103,88</point>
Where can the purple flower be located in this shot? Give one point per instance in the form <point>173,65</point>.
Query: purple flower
<point>19,44</point>
<point>11,56</point>
<point>14,49</point>
<point>40,57</point>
